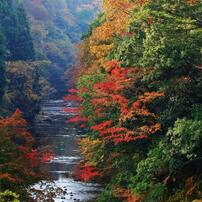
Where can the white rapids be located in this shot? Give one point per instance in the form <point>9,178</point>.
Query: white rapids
<point>51,128</point>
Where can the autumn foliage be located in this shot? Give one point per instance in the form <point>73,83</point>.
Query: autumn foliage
<point>126,195</point>
<point>138,94</point>
<point>109,94</point>
<point>86,173</point>
<point>20,161</point>
<point>104,96</point>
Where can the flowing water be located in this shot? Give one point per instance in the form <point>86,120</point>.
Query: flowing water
<point>51,128</point>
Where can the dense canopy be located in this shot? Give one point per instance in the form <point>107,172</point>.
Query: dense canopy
<point>134,89</point>
<point>139,87</point>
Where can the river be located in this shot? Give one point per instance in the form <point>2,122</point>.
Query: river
<point>51,128</point>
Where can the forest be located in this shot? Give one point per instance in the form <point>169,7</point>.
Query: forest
<point>136,67</point>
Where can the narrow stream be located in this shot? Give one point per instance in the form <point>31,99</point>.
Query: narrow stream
<point>51,128</point>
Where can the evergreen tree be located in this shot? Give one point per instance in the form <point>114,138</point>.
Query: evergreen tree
<point>16,30</point>
<point>2,67</point>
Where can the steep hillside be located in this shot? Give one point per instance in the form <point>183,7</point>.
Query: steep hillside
<point>139,87</point>
<point>55,27</point>
<point>2,67</point>
<point>15,28</point>
<point>83,11</point>
<point>19,74</point>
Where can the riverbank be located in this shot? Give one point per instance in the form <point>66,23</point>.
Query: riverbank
<point>51,128</point>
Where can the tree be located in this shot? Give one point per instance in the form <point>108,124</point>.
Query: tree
<point>15,28</point>
<point>164,38</point>
<point>9,196</point>
<point>20,162</point>
<point>24,87</point>
<point>112,23</point>
<point>2,67</point>
<point>143,113</point>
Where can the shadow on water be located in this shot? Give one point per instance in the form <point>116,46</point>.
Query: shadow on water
<point>51,128</point>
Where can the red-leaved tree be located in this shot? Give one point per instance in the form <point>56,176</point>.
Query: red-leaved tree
<point>20,163</point>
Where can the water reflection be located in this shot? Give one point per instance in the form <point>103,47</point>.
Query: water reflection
<point>51,128</point>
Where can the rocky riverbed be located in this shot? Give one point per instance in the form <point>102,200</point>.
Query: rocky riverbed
<point>51,128</point>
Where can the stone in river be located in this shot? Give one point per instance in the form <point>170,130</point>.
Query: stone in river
<point>48,119</point>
